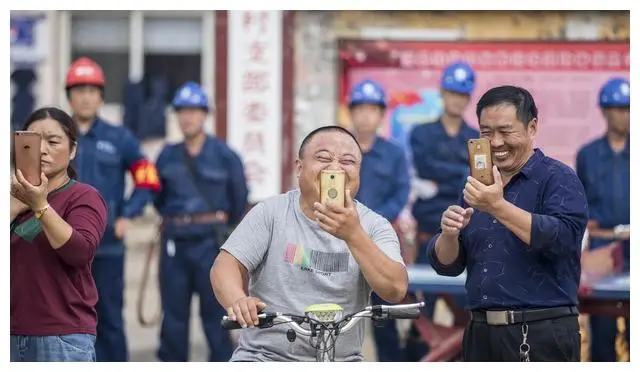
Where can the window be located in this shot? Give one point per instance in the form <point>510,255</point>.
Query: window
<point>168,44</point>
<point>173,49</point>
<point>104,37</point>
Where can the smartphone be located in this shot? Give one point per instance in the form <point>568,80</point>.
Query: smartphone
<point>26,147</point>
<point>332,186</point>
<point>480,160</point>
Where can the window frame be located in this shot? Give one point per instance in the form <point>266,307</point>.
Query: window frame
<point>136,47</point>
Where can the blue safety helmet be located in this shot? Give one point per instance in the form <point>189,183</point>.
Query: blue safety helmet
<point>191,95</point>
<point>458,77</point>
<point>615,93</point>
<point>367,92</point>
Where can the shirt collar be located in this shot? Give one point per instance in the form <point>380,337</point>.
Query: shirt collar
<point>93,130</point>
<point>376,145</point>
<point>530,166</point>
<point>607,151</point>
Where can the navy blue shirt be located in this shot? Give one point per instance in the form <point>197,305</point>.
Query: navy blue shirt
<point>505,273</point>
<point>219,171</point>
<point>606,176</point>
<point>444,160</point>
<point>384,179</point>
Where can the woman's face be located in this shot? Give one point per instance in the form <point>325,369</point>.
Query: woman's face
<point>56,149</point>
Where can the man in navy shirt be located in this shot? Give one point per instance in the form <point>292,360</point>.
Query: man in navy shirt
<point>384,185</point>
<point>605,170</point>
<point>519,240</point>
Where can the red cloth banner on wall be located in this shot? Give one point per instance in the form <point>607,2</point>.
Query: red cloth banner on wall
<point>563,77</point>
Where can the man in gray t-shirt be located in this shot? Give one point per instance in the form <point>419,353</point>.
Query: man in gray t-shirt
<point>298,252</point>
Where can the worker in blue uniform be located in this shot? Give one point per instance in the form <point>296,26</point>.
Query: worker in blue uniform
<point>440,160</point>
<point>204,193</point>
<point>384,184</point>
<point>603,166</point>
<point>105,154</point>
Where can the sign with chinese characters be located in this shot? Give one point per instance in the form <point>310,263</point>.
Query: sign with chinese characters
<point>563,77</point>
<point>254,121</point>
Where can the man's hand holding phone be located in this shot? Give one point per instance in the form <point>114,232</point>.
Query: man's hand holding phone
<point>341,222</point>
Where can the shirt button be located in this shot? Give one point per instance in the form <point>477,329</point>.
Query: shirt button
<point>490,245</point>
<point>485,270</point>
<point>484,297</point>
<point>495,221</point>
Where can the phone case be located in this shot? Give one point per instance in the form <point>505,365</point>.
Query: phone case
<point>332,187</point>
<point>27,152</point>
<point>480,162</point>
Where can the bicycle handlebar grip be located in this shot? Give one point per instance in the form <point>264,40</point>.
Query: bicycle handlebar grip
<point>412,313</point>
<point>229,324</point>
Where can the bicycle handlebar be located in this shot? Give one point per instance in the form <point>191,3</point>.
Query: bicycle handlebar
<point>267,320</point>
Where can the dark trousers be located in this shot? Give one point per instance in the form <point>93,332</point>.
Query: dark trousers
<point>111,342</point>
<point>385,335</point>
<point>602,338</point>
<point>184,271</point>
<point>552,340</point>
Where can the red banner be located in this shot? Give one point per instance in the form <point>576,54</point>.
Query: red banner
<point>563,77</point>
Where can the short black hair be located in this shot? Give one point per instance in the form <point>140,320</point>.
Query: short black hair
<point>520,98</point>
<point>328,128</point>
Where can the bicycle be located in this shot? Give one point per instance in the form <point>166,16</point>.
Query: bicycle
<point>326,323</point>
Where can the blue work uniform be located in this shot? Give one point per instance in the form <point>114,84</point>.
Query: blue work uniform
<point>104,155</point>
<point>444,160</point>
<point>384,179</point>
<point>189,248</point>
<point>606,176</point>
<point>384,188</point>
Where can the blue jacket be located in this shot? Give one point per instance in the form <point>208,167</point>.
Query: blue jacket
<point>105,154</point>
<point>219,171</point>
<point>384,179</point>
<point>445,161</point>
<point>606,177</point>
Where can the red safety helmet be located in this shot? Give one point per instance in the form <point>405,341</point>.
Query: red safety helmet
<point>84,71</point>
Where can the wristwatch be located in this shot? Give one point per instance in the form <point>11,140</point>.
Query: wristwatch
<point>619,229</point>
<point>40,213</point>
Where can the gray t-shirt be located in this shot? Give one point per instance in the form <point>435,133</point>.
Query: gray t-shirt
<point>293,263</point>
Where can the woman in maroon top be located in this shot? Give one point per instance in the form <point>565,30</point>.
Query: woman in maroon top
<point>55,229</point>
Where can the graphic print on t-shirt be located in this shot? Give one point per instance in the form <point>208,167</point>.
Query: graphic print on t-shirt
<point>316,261</point>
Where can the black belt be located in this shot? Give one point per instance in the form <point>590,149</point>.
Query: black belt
<point>506,317</point>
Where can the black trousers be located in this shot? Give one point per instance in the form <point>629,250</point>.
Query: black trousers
<point>552,340</point>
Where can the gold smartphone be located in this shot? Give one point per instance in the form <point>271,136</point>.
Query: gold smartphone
<point>332,186</point>
<point>480,160</point>
<point>27,152</point>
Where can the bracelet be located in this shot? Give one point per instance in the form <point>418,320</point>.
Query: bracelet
<point>40,213</point>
